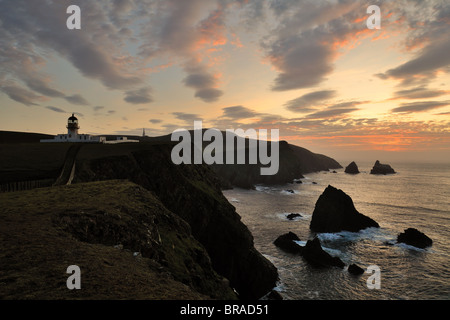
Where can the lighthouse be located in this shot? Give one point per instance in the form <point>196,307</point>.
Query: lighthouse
<point>72,135</point>
<point>72,127</point>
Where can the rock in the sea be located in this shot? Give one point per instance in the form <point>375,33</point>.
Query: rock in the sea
<point>289,190</point>
<point>292,216</point>
<point>286,242</point>
<point>352,168</point>
<point>414,237</point>
<point>379,168</point>
<point>335,212</point>
<point>355,269</point>
<point>317,257</point>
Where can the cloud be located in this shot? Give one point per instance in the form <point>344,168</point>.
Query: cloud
<point>419,93</point>
<point>139,96</point>
<point>304,45</point>
<point>420,106</point>
<point>98,108</point>
<point>204,83</point>
<point>209,94</point>
<point>331,113</point>
<point>21,95</point>
<point>33,33</point>
<point>155,121</point>
<point>424,66</point>
<point>38,85</point>
<point>189,118</point>
<point>309,101</point>
<point>77,99</point>
<point>238,112</point>
<point>429,31</point>
<point>185,31</point>
<point>56,109</point>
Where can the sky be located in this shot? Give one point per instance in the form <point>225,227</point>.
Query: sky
<point>312,69</point>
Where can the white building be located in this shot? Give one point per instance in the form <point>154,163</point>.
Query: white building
<point>72,135</point>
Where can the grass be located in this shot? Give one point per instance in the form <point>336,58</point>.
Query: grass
<point>43,231</point>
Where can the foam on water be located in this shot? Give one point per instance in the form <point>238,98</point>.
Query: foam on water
<point>375,234</point>
<point>300,243</point>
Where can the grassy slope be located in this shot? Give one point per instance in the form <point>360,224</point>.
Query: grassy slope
<point>31,161</point>
<point>80,224</point>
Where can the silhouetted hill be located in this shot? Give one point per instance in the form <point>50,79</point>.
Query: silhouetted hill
<point>294,161</point>
<point>22,137</point>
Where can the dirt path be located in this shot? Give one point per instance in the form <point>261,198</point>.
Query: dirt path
<point>68,169</point>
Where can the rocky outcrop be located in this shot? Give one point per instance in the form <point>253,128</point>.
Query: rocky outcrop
<point>192,192</point>
<point>379,168</point>
<point>355,269</point>
<point>414,237</point>
<point>292,216</point>
<point>335,211</point>
<point>352,168</point>
<point>286,242</point>
<point>314,254</point>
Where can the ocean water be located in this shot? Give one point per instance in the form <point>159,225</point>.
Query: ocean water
<point>418,196</point>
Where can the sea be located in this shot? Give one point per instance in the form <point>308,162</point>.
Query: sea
<point>417,196</point>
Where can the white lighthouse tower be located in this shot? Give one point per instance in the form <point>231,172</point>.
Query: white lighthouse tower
<point>72,127</point>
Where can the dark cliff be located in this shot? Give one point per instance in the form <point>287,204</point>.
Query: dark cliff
<point>125,242</point>
<point>193,193</point>
<point>294,161</point>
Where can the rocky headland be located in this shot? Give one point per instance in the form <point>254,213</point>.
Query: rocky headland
<point>218,260</point>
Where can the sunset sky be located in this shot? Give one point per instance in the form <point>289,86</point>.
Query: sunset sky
<point>311,69</point>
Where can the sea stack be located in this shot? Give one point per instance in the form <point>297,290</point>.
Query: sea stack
<point>286,242</point>
<point>414,237</point>
<point>319,258</point>
<point>352,168</point>
<point>379,168</point>
<point>335,212</point>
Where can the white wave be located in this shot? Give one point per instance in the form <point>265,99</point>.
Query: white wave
<point>409,247</point>
<point>290,192</point>
<point>234,200</point>
<point>334,252</point>
<point>300,243</point>
<point>376,234</point>
<point>266,189</point>
<point>330,236</point>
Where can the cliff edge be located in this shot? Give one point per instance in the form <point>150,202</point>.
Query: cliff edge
<point>193,193</point>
